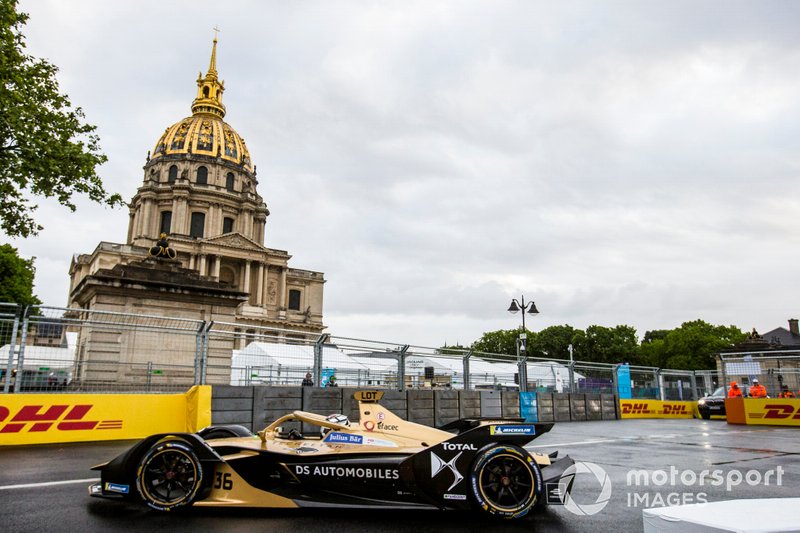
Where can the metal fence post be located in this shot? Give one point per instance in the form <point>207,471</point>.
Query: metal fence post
<point>401,367</point>
<point>465,361</point>
<point>12,347</point>
<point>198,352</point>
<point>204,355</point>
<point>693,380</point>
<point>572,387</point>
<point>149,374</point>
<point>325,337</point>
<point>21,355</point>
<point>660,384</point>
<point>724,382</point>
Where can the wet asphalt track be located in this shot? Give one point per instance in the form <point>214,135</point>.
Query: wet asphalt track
<point>690,446</point>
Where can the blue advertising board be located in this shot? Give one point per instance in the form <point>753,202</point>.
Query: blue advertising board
<point>527,407</point>
<point>624,381</point>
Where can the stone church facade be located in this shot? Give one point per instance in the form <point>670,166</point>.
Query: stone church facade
<point>200,188</point>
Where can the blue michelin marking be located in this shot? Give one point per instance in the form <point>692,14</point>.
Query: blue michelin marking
<point>344,438</point>
<point>113,487</point>
<point>513,430</point>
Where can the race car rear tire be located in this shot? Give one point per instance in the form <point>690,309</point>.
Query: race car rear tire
<point>169,475</point>
<point>505,481</point>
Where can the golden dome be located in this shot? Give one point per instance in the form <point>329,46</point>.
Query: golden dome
<point>205,133</point>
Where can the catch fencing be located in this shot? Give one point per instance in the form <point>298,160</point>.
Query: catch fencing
<point>49,349</point>
<point>778,370</point>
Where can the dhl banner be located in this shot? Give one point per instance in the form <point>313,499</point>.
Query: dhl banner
<point>656,409</point>
<point>763,411</point>
<point>51,418</point>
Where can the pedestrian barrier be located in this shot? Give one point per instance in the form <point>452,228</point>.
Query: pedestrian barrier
<point>594,407</point>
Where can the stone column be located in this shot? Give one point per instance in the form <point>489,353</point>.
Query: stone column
<point>260,285</point>
<point>217,261</point>
<point>247,280</point>
<point>282,290</point>
<point>146,215</point>
<point>202,269</point>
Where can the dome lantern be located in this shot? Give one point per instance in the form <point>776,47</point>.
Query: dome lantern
<point>205,133</point>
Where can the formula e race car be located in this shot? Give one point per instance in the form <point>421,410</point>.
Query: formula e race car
<point>381,461</point>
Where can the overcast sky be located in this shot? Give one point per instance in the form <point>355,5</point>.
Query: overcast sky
<point>617,162</point>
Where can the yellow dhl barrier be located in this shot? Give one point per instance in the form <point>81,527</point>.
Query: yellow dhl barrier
<point>51,418</point>
<point>656,409</point>
<point>763,411</point>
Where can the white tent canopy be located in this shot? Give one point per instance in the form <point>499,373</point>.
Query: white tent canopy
<point>265,362</point>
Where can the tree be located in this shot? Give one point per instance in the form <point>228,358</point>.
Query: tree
<point>553,342</point>
<point>503,341</point>
<point>601,344</point>
<point>46,149</point>
<point>16,277</point>
<point>692,346</point>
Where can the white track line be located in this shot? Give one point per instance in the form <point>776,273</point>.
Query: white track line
<point>48,484</point>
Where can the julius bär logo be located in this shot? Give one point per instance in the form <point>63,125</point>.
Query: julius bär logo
<point>35,418</point>
<point>636,409</point>
<point>777,411</point>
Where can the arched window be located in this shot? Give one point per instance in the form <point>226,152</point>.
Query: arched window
<point>166,222</point>
<point>205,92</point>
<point>198,224</point>
<point>230,181</point>
<point>227,225</point>
<point>173,174</point>
<point>202,175</point>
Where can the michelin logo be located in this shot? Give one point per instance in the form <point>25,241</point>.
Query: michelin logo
<point>344,438</point>
<point>114,487</point>
<point>512,430</point>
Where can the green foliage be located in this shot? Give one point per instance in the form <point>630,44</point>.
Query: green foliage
<point>692,346</point>
<point>16,277</point>
<point>503,341</point>
<point>553,342</point>
<point>45,147</point>
<point>601,344</point>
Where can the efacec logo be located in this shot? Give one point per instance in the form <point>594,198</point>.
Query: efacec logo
<point>644,487</point>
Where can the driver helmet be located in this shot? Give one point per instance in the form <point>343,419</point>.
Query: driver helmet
<point>336,418</point>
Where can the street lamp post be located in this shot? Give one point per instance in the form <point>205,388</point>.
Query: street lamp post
<point>522,356</point>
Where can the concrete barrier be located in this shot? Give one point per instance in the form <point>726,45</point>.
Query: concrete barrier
<point>469,404</point>
<point>577,407</point>
<point>491,404</point>
<point>232,405</point>
<point>594,407</point>
<point>510,404</point>
<point>421,402</point>
<point>445,407</point>
<point>49,418</point>
<point>561,408</point>
<point>544,404</point>
<point>270,403</point>
<point>609,406</point>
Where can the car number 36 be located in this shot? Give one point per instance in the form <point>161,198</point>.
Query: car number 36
<point>223,481</point>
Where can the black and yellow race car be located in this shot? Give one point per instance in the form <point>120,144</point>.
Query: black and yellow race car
<point>381,461</point>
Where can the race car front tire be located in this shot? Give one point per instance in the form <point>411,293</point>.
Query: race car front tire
<point>169,475</point>
<point>505,481</point>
